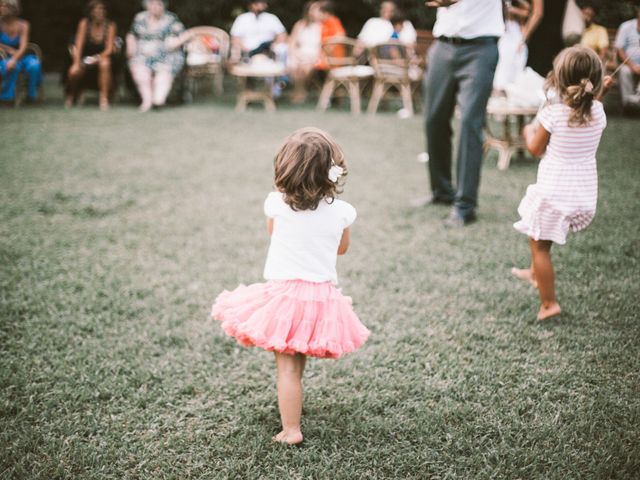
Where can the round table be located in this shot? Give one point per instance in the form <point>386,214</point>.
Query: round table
<point>507,143</point>
<point>262,89</point>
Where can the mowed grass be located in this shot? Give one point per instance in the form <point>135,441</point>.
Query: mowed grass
<point>119,229</point>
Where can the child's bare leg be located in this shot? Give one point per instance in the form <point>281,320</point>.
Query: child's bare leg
<point>545,277</point>
<point>526,274</point>
<point>290,370</point>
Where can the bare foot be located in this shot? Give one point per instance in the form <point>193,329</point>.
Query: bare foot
<point>104,104</point>
<point>524,274</point>
<point>145,107</point>
<point>68,101</point>
<point>292,437</point>
<point>547,312</point>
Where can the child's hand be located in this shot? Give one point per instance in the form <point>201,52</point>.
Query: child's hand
<point>607,82</point>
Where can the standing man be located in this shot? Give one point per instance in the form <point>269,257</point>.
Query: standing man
<point>460,71</point>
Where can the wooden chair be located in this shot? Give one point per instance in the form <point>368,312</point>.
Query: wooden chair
<point>207,50</point>
<point>21,85</point>
<point>393,69</point>
<point>344,71</point>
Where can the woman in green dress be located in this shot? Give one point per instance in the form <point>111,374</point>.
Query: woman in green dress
<point>154,55</point>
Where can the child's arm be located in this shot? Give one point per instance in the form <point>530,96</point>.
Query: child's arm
<point>270,225</point>
<point>344,241</point>
<point>536,138</point>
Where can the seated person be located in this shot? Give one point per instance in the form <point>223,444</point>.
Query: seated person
<point>304,50</point>
<point>627,44</point>
<point>330,27</point>
<point>379,30</point>
<point>398,21</point>
<point>594,36</point>
<point>14,37</point>
<point>153,49</point>
<point>257,31</point>
<point>94,44</point>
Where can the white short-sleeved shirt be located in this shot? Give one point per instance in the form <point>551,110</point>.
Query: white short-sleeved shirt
<point>470,19</point>
<point>378,30</point>
<point>304,244</point>
<point>254,30</point>
<point>628,39</point>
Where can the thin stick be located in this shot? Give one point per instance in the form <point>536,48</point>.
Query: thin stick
<point>620,66</point>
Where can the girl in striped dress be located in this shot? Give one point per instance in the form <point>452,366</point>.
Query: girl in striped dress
<point>566,134</point>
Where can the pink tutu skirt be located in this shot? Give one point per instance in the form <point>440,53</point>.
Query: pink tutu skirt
<point>291,316</point>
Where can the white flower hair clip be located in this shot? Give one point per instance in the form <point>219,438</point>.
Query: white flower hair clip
<point>588,88</point>
<point>335,172</point>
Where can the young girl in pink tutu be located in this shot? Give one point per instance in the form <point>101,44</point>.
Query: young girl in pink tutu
<point>564,196</point>
<point>298,311</point>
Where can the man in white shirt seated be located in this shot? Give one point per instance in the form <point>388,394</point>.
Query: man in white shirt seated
<point>379,30</point>
<point>628,48</point>
<point>257,31</point>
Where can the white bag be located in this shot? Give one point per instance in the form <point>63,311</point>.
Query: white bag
<point>527,91</point>
<point>573,23</point>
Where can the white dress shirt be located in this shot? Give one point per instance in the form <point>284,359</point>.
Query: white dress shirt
<point>470,19</point>
<point>254,30</point>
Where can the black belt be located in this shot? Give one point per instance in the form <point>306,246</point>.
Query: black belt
<point>468,41</point>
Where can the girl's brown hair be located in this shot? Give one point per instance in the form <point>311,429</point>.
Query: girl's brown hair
<point>577,79</point>
<point>302,168</point>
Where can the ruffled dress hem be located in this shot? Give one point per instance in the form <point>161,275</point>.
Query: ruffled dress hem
<point>541,220</point>
<point>291,316</point>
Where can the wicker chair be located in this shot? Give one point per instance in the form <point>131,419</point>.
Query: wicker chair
<point>207,50</point>
<point>340,55</point>
<point>393,69</point>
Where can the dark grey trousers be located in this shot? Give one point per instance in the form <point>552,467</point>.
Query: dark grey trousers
<point>462,75</point>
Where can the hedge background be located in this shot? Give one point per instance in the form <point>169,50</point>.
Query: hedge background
<point>53,22</point>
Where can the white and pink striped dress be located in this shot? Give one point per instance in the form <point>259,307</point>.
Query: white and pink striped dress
<point>565,194</point>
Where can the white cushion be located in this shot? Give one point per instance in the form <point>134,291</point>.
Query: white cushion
<point>360,71</point>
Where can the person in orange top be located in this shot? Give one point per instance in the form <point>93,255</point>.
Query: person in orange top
<point>330,27</point>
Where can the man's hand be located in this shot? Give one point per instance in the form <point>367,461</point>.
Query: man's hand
<point>11,64</point>
<point>440,3</point>
<point>635,68</point>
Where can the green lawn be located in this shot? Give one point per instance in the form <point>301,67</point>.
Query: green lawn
<point>119,229</point>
